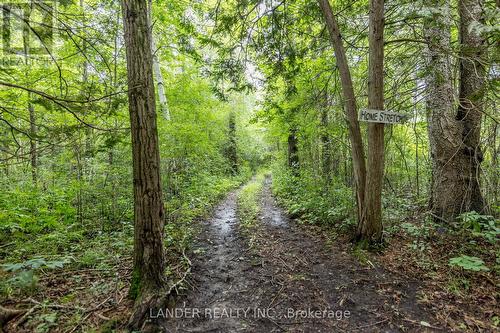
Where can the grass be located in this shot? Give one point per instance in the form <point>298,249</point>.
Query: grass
<point>249,201</point>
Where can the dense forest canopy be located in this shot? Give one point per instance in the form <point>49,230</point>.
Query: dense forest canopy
<point>130,129</point>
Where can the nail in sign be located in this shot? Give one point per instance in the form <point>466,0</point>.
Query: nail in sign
<point>381,116</point>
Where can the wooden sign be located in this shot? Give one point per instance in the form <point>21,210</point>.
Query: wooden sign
<point>381,116</point>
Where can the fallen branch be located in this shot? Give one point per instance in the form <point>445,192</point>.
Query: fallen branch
<point>420,324</point>
<point>100,304</point>
<point>80,322</point>
<point>56,306</point>
<point>39,305</point>
<point>89,313</point>
<point>103,317</point>
<point>372,324</point>
<point>185,275</point>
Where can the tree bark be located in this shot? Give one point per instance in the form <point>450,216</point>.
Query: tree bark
<point>89,147</point>
<point>232,148</point>
<point>415,132</point>
<point>33,143</point>
<point>351,112</point>
<point>370,226</point>
<point>326,149</point>
<point>293,150</point>
<point>79,176</point>
<point>454,135</point>
<point>7,315</point>
<point>6,33</point>
<point>471,96</point>
<point>165,111</point>
<point>439,103</point>
<point>148,279</point>
<point>160,83</point>
<point>31,108</point>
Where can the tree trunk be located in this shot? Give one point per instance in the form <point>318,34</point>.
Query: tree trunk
<point>415,132</point>
<point>157,72</point>
<point>148,280</point>
<point>232,148</point>
<point>293,150</point>
<point>370,226</point>
<point>471,93</point>
<point>444,131</point>
<point>358,156</point>
<point>7,315</point>
<point>114,205</point>
<point>31,109</point>
<point>33,144</point>
<point>326,149</point>
<point>494,163</point>
<point>89,147</point>
<point>6,33</point>
<point>79,174</point>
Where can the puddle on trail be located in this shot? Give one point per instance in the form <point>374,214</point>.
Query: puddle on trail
<point>224,216</point>
<point>220,276</point>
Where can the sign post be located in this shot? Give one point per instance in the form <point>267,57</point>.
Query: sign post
<point>381,116</point>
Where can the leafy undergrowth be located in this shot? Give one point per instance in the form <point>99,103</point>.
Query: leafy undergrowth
<point>76,278</point>
<point>458,265</point>
<point>67,281</point>
<point>310,199</point>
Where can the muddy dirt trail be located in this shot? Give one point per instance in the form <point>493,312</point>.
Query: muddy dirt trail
<point>282,277</point>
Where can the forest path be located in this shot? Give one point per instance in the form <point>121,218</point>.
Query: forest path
<point>281,278</point>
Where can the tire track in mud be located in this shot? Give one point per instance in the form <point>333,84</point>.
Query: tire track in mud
<point>317,277</point>
<point>289,281</point>
<point>224,278</point>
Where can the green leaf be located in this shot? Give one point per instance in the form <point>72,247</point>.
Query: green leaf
<point>469,263</point>
<point>12,267</point>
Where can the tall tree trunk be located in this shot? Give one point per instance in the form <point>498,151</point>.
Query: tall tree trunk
<point>148,280</point>
<point>4,147</point>
<point>370,226</point>
<point>232,148</point>
<point>358,156</point>
<point>113,221</point>
<point>444,130</point>
<point>415,132</point>
<point>293,149</point>
<point>471,93</point>
<point>160,83</point>
<point>89,147</point>
<point>6,34</point>
<point>33,144</point>
<point>326,149</point>
<point>82,152</point>
<point>494,163</point>
<point>111,153</point>
<point>31,108</point>
<point>79,174</point>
